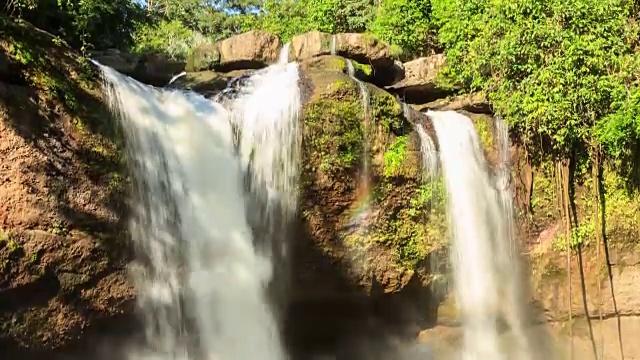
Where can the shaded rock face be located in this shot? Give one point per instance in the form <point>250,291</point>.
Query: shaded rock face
<point>419,83</point>
<point>153,69</point>
<point>62,251</point>
<point>208,83</point>
<point>474,103</point>
<point>251,50</point>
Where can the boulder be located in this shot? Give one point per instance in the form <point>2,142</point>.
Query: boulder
<point>153,69</point>
<point>372,58</point>
<point>207,83</point>
<point>251,50</point>
<point>367,49</point>
<point>419,84</point>
<point>309,45</point>
<point>474,103</point>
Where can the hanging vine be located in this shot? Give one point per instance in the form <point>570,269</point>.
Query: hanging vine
<point>562,186</point>
<point>596,219</point>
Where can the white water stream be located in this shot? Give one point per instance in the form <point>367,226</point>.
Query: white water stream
<point>484,253</point>
<point>201,278</point>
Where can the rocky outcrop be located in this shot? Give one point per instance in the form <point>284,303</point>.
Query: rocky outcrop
<point>62,248</point>
<point>358,256</point>
<point>153,69</point>
<point>207,83</point>
<point>474,103</point>
<point>251,50</point>
<point>310,45</point>
<point>552,286</point>
<point>419,84</point>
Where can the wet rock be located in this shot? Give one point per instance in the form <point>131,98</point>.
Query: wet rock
<point>251,50</point>
<point>207,83</point>
<point>419,84</point>
<point>368,49</point>
<point>474,103</point>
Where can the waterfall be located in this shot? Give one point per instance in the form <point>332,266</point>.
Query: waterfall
<point>334,50</point>
<point>429,154</point>
<point>484,255</point>
<point>201,274</point>
<point>176,77</point>
<point>364,95</point>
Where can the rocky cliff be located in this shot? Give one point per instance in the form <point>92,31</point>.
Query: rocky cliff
<point>62,248</point>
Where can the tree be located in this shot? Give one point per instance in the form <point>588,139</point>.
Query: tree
<point>82,23</point>
<point>561,71</point>
<point>407,24</point>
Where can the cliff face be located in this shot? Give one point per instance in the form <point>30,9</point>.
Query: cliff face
<point>62,248</point>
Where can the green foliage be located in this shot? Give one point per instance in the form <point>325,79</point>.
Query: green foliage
<point>83,24</point>
<point>337,130</point>
<point>287,18</point>
<point>405,24</point>
<point>580,236</point>
<point>395,156</point>
<point>561,72</point>
<point>169,37</point>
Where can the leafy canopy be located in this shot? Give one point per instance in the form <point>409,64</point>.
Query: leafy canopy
<point>563,72</point>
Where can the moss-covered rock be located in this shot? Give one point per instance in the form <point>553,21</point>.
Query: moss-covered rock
<point>203,58</point>
<point>372,225</point>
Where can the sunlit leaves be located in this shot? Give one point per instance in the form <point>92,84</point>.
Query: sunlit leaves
<point>560,70</point>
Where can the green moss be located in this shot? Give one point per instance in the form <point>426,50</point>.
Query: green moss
<point>370,39</point>
<point>337,63</point>
<point>622,217</point>
<point>484,128</point>
<point>334,130</point>
<point>388,112</point>
<point>417,228</point>
<point>59,228</point>
<point>4,237</point>
<point>394,156</point>
<point>396,51</point>
<point>362,71</point>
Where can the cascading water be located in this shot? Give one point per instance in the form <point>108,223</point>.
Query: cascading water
<point>364,95</point>
<point>429,154</point>
<point>334,47</point>
<point>201,279</point>
<point>176,77</point>
<point>484,255</point>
